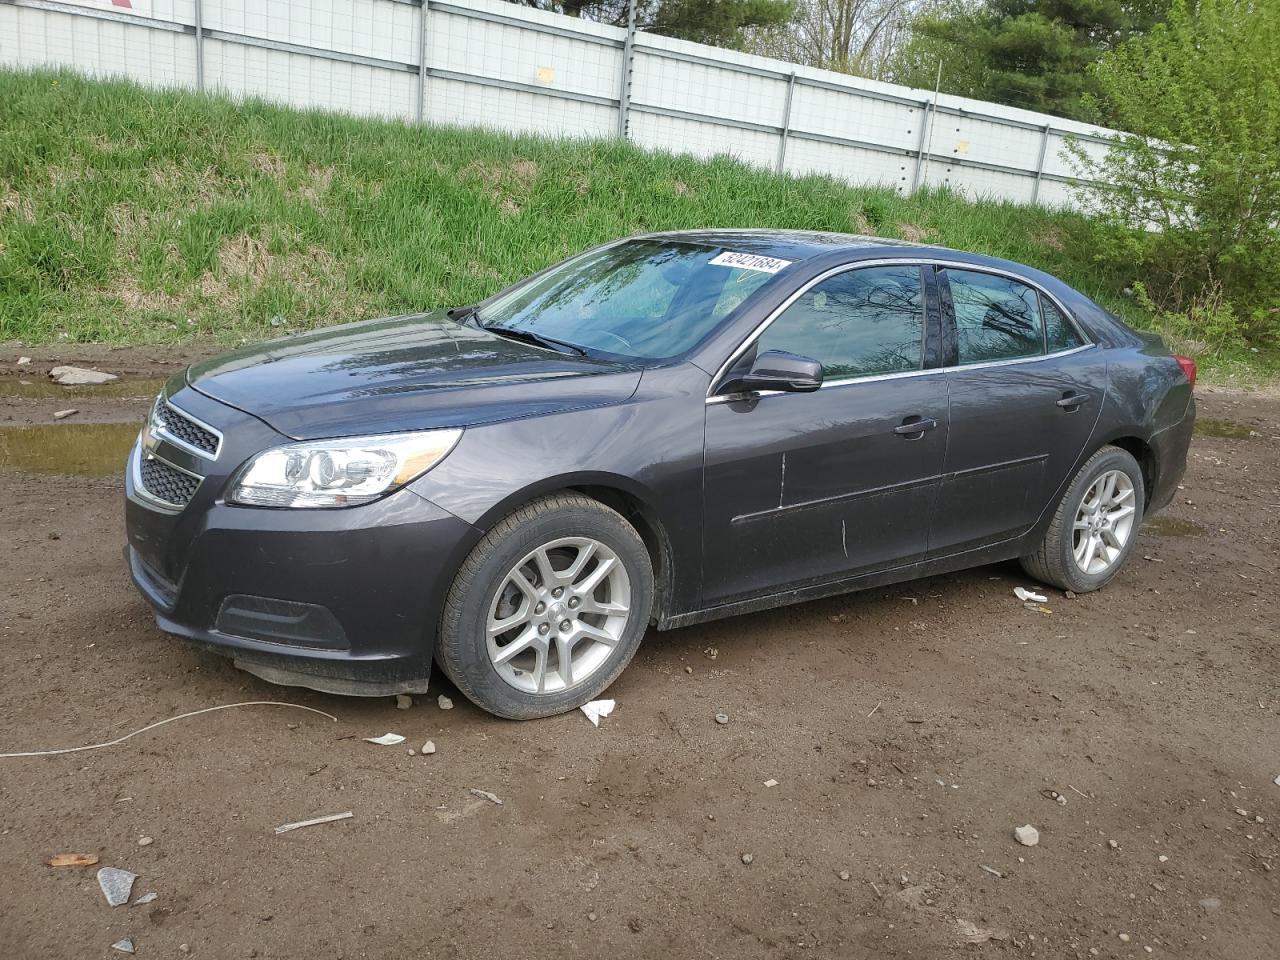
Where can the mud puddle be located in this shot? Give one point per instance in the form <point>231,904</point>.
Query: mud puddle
<point>77,449</point>
<point>1163,526</point>
<point>1223,429</point>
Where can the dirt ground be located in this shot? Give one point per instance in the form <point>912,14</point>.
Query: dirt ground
<point>909,731</point>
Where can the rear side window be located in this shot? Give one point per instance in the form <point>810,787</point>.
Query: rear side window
<point>1059,334</point>
<point>996,318</point>
<point>857,323</point>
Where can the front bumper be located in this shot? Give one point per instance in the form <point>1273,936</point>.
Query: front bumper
<point>344,601</point>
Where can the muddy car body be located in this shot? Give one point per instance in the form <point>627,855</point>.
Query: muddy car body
<point>728,470</point>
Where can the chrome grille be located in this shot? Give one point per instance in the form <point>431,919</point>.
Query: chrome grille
<point>169,421</point>
<point>165,482</point>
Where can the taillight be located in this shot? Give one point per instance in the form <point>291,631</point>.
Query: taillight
<point>1188,367</point>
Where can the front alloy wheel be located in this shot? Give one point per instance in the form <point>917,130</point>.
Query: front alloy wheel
<point>548,609</point>
<point>559,614</point>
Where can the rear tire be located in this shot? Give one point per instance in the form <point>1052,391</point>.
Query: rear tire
<point>547,609</point>
<point>1095,525</point>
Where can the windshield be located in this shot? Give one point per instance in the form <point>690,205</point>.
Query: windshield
<point>650,299</point>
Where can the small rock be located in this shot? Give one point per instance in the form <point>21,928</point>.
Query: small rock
<point>428,748</point>
<point>1276,781</point>
<point>1241,812</point>
<point>844,875</point>
<point>78,376</point>
<point>444,702</point>
<point>124,946</point>
<point>63,414</point>
<point>771,782</point>
<point>1124,938</point>
<point>688,669</point>
<point>722,718</point>
<point>1093,951</point>
<point>592,917</point>
<point>1113,845</point>
<point>1211,903</point>
<point>23,361</point>
<point>1163,858</point>
<point>403,701</point>
<point>145,841</point>
<point>184,948</point>
<point>1027,835</point>
<point>146,898</point>
<point>1070,595</point>
<point>747,858</point>
<point>413,752</point>
<point>486,795</point>
<point>116,885</point>
<point>1258,819</point>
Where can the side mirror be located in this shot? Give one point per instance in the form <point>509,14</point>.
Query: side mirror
<point>777,370</point>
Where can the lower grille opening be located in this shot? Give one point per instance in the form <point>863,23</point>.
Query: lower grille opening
<point>167,483</point>
<point>280,621</point>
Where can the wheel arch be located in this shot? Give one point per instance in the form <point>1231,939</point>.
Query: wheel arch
<point>1132,443</point>
<point>621,494</point>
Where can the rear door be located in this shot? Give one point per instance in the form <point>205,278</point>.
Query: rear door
<point>1025,391</point>
<point>801,488</point>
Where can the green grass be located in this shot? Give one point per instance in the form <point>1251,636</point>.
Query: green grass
<point>135,216</point>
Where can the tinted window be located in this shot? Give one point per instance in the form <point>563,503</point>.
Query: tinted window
<point>1059,334</point>
<point>643,298</point>
<point>856,323</point>
<point>996,318</point>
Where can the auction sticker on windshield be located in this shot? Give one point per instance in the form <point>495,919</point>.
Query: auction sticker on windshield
<point>750,261</point>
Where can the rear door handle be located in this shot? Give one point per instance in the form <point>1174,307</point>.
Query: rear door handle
<point>913,428</point>
<point>1071,401</point>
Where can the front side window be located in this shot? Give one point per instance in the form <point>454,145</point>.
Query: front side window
<point>649,299</point>
<point>997,318</point>
<point>858,323</point>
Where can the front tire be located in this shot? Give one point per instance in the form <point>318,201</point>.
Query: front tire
<point>1095,526</point>
<point>547,609</point>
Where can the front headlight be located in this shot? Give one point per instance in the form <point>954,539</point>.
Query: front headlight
<point>339,473</point>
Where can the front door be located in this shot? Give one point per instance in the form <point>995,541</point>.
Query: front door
<point>801,488</point>
<point>1026,390</point>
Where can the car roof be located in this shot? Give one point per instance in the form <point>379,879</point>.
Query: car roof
<point>790,244</point>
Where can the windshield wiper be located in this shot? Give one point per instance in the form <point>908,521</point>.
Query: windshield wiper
<point>462,314</point>
<point>528,336</point>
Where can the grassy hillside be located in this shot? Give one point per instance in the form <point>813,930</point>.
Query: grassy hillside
<point>128,215</point>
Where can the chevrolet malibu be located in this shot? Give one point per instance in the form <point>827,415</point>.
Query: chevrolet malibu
<point>660,431</point>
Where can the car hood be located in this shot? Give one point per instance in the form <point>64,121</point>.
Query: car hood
<point>413,372</point>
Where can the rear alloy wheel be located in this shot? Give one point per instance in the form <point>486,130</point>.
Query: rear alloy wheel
<point>1095,525</point>
<point>548,609</point>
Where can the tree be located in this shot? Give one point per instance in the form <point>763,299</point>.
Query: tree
<point>859,37</point>
<point>721,23</point>
<point>1193,187</point>
<point>1025,53</point>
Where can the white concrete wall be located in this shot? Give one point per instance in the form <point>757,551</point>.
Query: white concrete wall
<point>497,65</point>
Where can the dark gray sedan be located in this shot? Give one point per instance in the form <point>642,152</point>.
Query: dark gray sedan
<point>660,431</point>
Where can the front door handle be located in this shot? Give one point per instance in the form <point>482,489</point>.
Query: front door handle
<point>1072,401</point>
<point>913,428</point>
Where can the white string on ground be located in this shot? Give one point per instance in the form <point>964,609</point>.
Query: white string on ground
<point>161,723</point>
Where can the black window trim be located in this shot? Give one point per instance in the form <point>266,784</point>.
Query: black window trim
<point>940,267</point>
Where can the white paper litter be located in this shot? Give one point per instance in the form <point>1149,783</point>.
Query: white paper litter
<point>286,827</point>
<point>597,709</point>
<point>1026,596</point>
<point>386,740</point>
